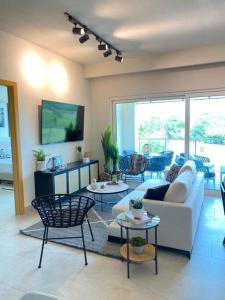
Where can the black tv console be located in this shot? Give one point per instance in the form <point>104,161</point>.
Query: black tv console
<point>72,179</point>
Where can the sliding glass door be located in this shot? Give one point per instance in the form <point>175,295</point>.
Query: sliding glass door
<point>160,126</point>
<point>207,137</point>
<point>194,126</point>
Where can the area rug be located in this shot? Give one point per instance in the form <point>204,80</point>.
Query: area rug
<point>99,222</point>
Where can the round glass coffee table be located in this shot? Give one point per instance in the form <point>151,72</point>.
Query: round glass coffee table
<point>107,189</point>
<point>126,250</point>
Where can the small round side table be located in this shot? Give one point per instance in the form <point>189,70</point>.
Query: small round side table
<point>126,250</point>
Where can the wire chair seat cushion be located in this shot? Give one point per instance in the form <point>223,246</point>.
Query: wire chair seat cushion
<point>134,164</point>
<point>62,210</point>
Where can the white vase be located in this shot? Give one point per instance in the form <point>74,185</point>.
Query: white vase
<point>40,165</point>
<point>138,250</point>
<point>137,213</point>
<point>80,156</point>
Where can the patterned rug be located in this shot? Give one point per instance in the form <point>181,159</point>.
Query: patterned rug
<point>99,223</point>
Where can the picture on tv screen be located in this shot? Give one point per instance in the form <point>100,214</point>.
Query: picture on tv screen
<point>61,122</point>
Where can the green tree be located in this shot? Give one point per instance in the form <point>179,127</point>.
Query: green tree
<point>198,131</point>
<point>173,128</point>
<point>147,128</point>
<point>209,129</point>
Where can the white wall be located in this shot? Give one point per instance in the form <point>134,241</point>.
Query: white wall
<point>30,66</point>
<point>162,82</point>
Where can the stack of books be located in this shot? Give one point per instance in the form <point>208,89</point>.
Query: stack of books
<point>144,218</point>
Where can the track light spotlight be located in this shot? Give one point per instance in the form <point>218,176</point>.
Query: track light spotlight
<point>84,38</point>
<point>119,58</point>
<point>78,30</point>
<point>107,53</point>
<point>103,47</point>
<point>81,29</point>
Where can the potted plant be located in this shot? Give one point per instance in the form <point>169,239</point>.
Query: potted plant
<point>40,157</point>
<point>115,157</point>
<point>79,150</point>
<point>138,244</point>
<point>106,141</point>
<point>137,208</point>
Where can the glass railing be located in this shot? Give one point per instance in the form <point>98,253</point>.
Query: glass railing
<point>214,152</point>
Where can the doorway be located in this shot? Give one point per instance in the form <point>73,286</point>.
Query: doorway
<point>11,183</point>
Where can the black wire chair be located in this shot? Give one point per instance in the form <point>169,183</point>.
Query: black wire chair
<point>222,188</point>
<point>63,211</point>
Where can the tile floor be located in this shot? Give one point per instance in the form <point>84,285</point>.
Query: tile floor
<point>64,274</point>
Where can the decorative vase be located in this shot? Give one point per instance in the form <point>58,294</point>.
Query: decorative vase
<point>138,250</point>
<point>40,165</point>
<point>94,184</point>
<point>80,156</point>
<point>137,213</point>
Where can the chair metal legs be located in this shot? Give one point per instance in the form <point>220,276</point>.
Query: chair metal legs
<point>89,225</point>
<point>85,256</point>
<point>44,240</point>
<point>46,236</point>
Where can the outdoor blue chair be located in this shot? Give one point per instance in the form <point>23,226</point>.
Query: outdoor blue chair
<point>169,156</point>
<point>128,152</point>
<point>156,164</point>
<point>180,160</point>
<point>208,174</point>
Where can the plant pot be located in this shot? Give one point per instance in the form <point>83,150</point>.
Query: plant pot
<point>137,213</point>
<point>138,250</point>
<point>40,165</point>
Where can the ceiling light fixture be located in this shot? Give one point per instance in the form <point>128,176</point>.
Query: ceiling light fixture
<point>85,33</point>
<point>107,53</point>
<point>118,57</point>
<point>78,30</point>
<point>84,38</point>
<point>103,47</point>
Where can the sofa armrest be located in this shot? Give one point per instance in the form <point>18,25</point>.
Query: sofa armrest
<point>175,229</point>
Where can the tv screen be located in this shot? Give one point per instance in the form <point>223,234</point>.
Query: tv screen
<point>61,122</point>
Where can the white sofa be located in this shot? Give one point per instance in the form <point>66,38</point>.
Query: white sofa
<point>178,221</point>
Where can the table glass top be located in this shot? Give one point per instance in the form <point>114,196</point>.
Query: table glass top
<point>108,188</point>
<point>124,220</point>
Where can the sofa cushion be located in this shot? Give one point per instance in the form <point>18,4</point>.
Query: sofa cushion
<point>157,193</point>
<point>180,188</point>
<point>189,165</point>
<point>151,183</point>
<point>173,172</point>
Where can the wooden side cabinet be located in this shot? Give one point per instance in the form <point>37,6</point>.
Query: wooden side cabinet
<point>74,178</point>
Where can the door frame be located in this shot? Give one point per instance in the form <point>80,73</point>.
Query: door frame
<point>13,111</point>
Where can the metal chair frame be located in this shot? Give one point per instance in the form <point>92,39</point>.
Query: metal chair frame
<point>63,211</point>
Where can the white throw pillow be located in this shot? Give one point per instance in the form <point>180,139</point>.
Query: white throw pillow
<point>189,165</point>
<point>180,188</point>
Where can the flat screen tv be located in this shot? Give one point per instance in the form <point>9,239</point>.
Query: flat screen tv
<point>61,122</point>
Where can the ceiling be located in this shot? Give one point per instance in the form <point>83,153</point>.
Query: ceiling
<point>137,27</point>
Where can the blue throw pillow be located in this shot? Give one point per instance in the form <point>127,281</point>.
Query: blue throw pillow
<point>157,193</point>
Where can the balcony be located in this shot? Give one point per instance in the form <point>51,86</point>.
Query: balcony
<point>214,152</point>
